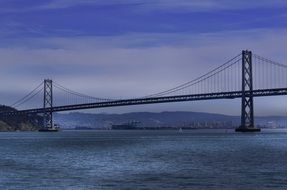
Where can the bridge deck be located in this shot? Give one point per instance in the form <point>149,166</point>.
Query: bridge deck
<point>153,100</point>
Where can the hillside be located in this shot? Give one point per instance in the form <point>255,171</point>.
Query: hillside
<point>163,119</point>
<point>147,119</point>
<point>20,123</point>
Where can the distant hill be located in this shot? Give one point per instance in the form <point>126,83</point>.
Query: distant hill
<point>20,123</point>
<point>163,119</point>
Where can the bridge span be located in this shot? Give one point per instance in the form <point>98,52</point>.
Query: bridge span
<point>155,100</point>
<point>233,79</point>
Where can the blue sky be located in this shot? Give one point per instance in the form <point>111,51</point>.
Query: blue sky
<point>130,48</point>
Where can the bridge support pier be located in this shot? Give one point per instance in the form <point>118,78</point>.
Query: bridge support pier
<point>247,112</point>
<point>48,104</point>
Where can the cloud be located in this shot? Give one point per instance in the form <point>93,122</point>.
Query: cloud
<point>41,5</point>
<point>211,5</point>
<point>117,18</point>
<point>188,5</point>
<point>147,5</point>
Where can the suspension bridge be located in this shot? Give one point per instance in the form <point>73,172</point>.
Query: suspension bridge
<point>245,76</point>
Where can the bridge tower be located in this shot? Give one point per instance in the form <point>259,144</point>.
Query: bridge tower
<point>48,103</point>
<point>247,111</point>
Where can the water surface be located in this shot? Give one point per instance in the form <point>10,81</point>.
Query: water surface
<point>193,159</point>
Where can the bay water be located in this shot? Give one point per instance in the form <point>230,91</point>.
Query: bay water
<point>144,159</point>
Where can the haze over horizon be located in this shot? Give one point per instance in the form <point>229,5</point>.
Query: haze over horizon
<point>132,48</point>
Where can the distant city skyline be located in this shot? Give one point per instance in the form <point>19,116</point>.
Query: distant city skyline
<point>132,48</point>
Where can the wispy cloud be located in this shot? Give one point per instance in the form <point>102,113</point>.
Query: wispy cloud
<point>172,5</point>
<point>211,5</point>
<point>62,18</point>
<point>190,5</point>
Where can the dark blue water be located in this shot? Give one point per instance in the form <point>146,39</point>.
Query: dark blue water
<point>195,159</point>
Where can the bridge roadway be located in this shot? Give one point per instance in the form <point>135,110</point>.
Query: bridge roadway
<point>151,100</point>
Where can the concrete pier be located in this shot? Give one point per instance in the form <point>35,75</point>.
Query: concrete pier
<point>247,129</point>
